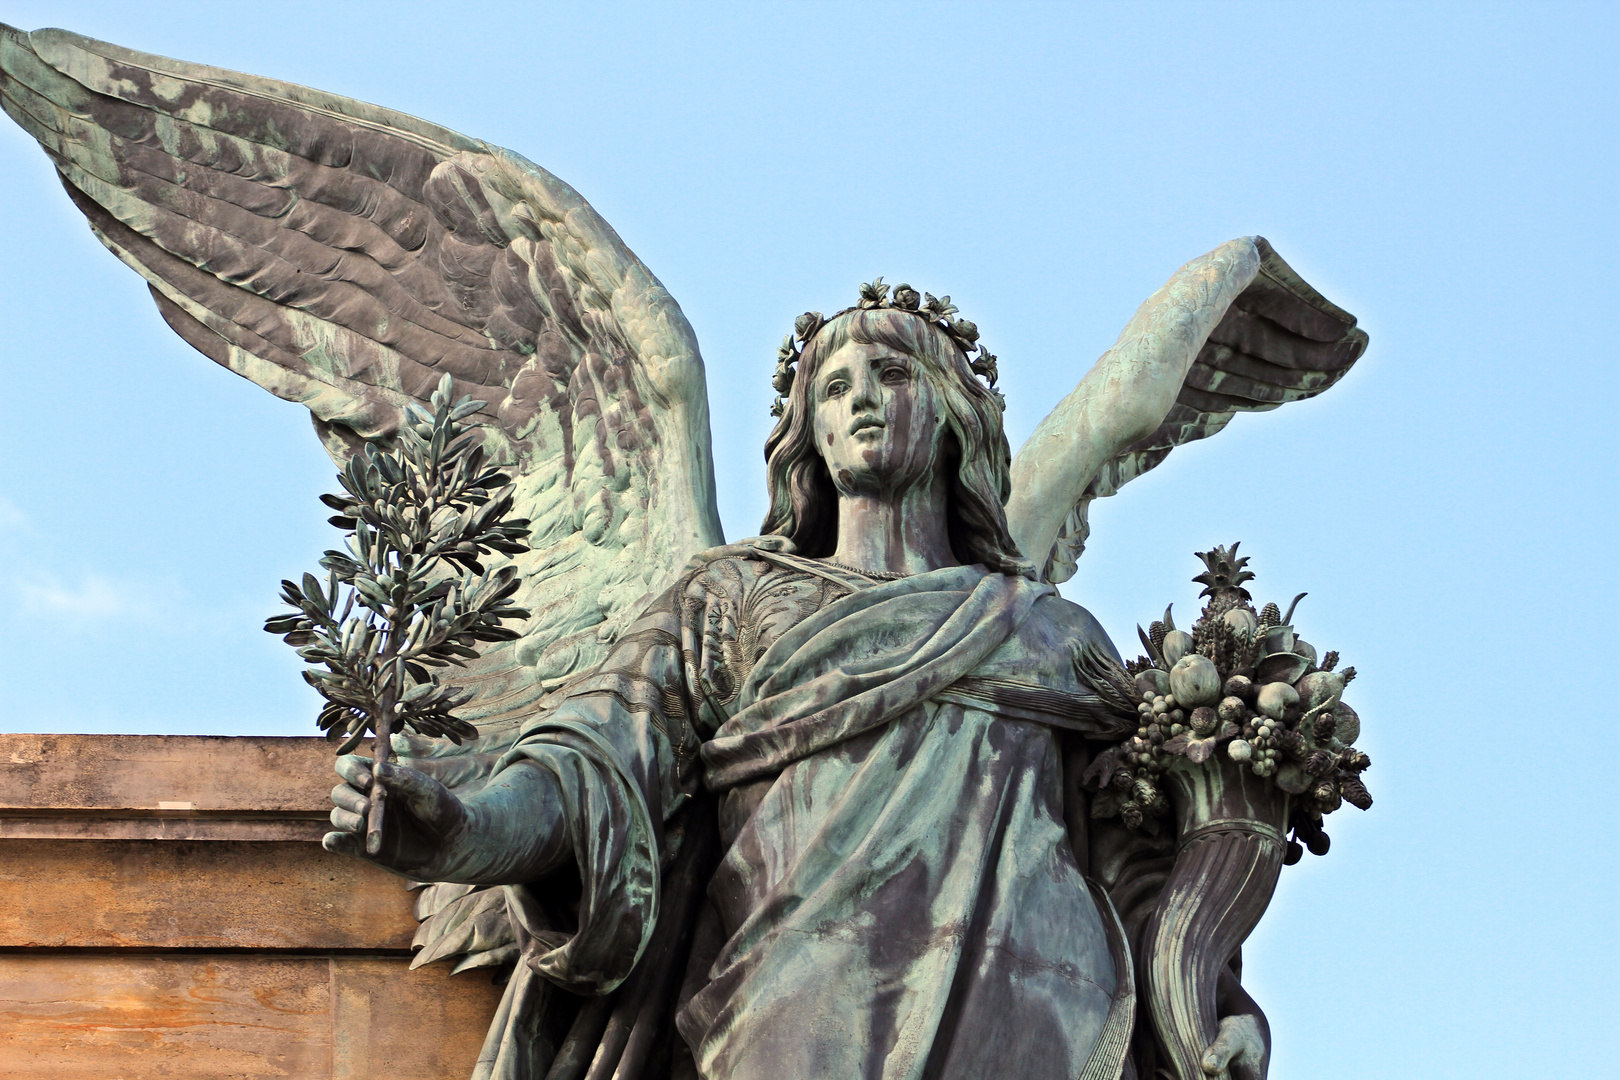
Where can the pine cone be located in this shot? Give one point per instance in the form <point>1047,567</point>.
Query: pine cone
<point>1355,792</point>
<point>1270,615</point>
<point>1323,727</point>
<point>1156,632</point>
<point>1353,760</point>
<point>1290,743</point>
<point>1320,763</point>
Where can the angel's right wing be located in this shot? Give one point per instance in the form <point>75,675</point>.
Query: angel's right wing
<point>345,257</point>
<point>1236,330</point>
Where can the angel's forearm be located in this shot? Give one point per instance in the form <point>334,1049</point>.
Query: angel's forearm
<point>514,831</point>
<point>1141,376</point>
<point>1053,469</point>
<point>1125,395</point>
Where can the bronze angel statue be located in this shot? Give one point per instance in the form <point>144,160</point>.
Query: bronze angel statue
<point>803,805</point>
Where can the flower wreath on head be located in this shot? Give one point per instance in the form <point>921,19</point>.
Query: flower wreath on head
<point>875,295</point>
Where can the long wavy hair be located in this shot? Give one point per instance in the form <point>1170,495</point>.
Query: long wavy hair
<point>804,502</point>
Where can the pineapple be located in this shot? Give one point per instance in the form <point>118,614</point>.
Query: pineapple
<point>1223,579</point>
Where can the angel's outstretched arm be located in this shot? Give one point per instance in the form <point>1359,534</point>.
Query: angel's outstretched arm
<point>1126,395</point>
<point>510,830</point>
<point>1236,330</point>
<point>590,784</point>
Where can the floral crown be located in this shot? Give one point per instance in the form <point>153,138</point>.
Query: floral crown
<point>875,295</point>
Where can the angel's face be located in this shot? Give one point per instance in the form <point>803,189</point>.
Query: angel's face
<point>879,422</point>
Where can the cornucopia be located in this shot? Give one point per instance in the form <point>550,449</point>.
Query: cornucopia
<point>1244,745</point>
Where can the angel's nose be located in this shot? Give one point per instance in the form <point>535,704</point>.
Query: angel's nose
<point>864,394</point>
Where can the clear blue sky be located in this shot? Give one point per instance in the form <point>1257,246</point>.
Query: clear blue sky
<point>1446,172</point>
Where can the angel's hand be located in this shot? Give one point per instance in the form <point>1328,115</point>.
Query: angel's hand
<point>422,827</point>
<point>1239,1046</point>
<point>744,548</point>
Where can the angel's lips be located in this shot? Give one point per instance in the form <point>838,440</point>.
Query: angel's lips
<point>865,422</point>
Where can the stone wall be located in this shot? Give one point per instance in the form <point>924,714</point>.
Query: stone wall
<point>166,910</point>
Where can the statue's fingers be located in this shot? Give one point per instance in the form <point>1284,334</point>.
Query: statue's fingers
<point>356,770</point>
<point>1220,1053</point>
<point>428,800</point>
<point>346,820</point>
<point>342,843</point>
<point>349,799</point>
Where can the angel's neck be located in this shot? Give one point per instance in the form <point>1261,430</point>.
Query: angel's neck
<point>904,533</point>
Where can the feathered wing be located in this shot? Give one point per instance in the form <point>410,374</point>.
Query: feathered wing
<point>1236,330</point>
<point>345,257</point>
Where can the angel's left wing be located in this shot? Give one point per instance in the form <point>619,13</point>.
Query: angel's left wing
<point>1236,330</point>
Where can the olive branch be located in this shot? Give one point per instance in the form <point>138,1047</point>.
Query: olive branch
<point>410,593</point>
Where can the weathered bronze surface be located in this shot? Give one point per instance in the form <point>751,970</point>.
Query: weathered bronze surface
<point>812,804</point>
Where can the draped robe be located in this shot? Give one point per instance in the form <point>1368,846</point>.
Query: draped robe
<point>897,896</point>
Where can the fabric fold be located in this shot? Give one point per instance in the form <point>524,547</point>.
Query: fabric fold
<point>862,661</point>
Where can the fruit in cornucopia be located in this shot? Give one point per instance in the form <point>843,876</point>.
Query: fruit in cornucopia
<point>1277,717</point>
<point>1176,644</point>
<point>1347,725</point>
<point>1293,779</point>
<point>1153,681</point>
<point>1194,681</point>
<point>1279,639</point>
<point>1323,727</point>
<point>1284,667</point>
<point>1319,688</point>
<point>1275,698</point>
<point>1241,620</point>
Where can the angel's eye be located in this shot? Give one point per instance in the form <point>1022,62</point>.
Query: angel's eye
<point>836,388</point>
<point>895,374</point>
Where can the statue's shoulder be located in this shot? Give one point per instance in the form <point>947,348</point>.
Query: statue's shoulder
<point>1063,621</point>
